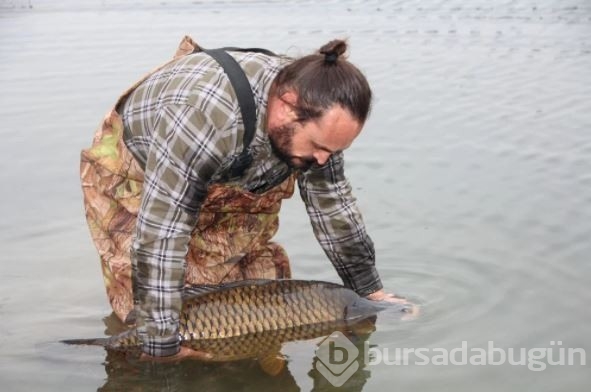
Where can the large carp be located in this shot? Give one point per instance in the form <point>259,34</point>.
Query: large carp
<point>252,318</point>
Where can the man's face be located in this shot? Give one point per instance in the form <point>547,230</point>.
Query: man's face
<point>313,142</point>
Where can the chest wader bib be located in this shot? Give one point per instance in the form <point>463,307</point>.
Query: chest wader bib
<point>231,240</point>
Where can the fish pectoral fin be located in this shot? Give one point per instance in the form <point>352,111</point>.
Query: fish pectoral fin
<point>131,317</point>
<point>272,363</point>
<point>365,326</point>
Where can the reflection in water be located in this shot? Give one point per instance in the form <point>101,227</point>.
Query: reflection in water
<point>357,379</point>
<point>125,373</point>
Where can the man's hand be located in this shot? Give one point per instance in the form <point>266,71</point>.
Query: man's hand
<point>381,295</point>
<point>184,353</point>
<point>411,309</point>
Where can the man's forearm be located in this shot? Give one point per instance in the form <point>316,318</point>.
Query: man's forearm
<point>157,287</point>
<point>158,277</point>
<point>354,260</point>
<point>338,225</point>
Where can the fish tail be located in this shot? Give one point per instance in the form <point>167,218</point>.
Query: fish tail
<point>88,342</point>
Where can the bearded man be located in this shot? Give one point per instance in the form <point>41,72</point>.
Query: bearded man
<point>177,193</point>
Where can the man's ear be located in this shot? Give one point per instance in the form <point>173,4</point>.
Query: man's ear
<point>289,100</point>
<point>291,97</point>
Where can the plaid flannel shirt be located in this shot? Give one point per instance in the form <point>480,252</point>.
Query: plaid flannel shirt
<point>184,125</point>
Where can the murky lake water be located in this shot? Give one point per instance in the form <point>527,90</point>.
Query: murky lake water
<point>473,173</point>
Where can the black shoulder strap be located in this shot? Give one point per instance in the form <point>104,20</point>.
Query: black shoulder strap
<point>241,88</point>
<point>255,50</point>
<point>245,97</point>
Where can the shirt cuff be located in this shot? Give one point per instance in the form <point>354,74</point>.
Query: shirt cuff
<point>157,346</point>
<point>371,286</point>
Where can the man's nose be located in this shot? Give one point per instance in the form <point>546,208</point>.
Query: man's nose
<point>321,157</point>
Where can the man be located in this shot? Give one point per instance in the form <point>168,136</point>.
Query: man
<point>171,142</point>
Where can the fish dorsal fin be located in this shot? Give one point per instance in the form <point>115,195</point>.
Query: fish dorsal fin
<point>194,291</point>
<point>272,363</point>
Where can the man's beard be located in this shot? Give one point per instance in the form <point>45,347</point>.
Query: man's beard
<point>281,139</point>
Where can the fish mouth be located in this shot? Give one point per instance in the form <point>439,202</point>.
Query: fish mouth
<point>363,308</point>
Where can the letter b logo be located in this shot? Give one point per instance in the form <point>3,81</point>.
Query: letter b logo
<point>336,359</point>
<point>337,355</point>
